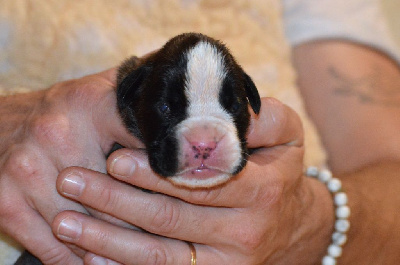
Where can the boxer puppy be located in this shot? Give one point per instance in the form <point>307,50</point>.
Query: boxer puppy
<point>188,103</point>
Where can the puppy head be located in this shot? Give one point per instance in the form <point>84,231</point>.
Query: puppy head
<point>188,103</point>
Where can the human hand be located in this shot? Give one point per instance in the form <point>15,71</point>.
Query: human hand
<point>41,134</point>
<point>268,214</point>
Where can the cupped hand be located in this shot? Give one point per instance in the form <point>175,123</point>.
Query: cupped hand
<point>41,134</point>
<point>268,214</point>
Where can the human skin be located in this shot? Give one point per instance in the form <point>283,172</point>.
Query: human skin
<point>352,93</point>
<point>247,221</point>
<point>41,134</point>
<point>360,133</point>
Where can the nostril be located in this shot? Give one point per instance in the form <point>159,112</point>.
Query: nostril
<point>203,149</point>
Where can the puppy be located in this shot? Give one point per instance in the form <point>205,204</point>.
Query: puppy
<point>188,103</point>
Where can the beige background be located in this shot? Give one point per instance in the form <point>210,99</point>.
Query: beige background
<point>392,9</point>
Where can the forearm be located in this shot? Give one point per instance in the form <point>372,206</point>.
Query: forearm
<point>352,93</point>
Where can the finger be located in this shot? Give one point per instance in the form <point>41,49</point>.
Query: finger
<point>52,202</point>
<point>257,181</point>
<point>44,198</point>
<point>94,259</point>
<point>276,124</point>
<point>113,131</point>
<point>27,218</point>
<point>155,213</point>
<point>132,247</point>
<point>28,228</point>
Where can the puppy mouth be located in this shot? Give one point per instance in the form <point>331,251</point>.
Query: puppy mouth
<point>201,172</point>
<point>200,177</point>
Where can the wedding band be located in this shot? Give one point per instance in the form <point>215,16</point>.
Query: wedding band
<point>192,253</point>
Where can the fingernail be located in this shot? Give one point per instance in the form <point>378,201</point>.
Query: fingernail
<point>69,230</point>
<point>72,185</point>
<point>96,260</point>
<point>123,166</point>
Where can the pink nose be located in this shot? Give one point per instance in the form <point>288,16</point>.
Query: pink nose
<point>203,150</point>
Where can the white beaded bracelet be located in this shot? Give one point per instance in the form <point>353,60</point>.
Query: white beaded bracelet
<point>342,213</point>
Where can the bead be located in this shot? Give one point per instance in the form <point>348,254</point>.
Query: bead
<point>328,260</point>
<point>340,199</point>
<point>334,185</point>
<point>334,251</point>
<point>325,175</point>
<point>312,172</point>
<point>342,225</point>
<point>343,212</point>
<point>339,238</point>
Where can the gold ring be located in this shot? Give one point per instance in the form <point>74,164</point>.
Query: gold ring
<point>192,253</point>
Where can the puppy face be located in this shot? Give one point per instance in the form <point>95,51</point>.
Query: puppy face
<point>188,103</point>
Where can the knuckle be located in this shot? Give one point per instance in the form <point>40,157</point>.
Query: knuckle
<point>207,196</point>
<point>51,128</point>
<point>23,164</point>
<point>109,199</point>
<point>154,254</point>
<point>271,197</point>
<point>166,218</point>
<point>250,239</point>
<point>57,255</point>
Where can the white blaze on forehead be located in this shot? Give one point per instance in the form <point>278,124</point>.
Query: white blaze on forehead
<point>207,120</point>
<point>204,78</point>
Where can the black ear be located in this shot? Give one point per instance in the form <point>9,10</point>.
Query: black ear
<point>127,67</point>
<point>131,84</point>
<point>129,90</point>
<point>131,75</point>
<point>252,94</point>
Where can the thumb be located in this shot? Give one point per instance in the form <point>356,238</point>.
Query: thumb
<point>108,120</point>
<point>276,124</point>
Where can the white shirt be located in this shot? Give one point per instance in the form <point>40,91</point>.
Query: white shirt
<point>361,21</point>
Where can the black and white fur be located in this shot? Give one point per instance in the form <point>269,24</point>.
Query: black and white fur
<point>192,87</point>
<point>188,103</point>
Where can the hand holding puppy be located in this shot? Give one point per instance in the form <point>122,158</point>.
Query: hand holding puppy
<point>41,134</point>
<point>265,215</point>
<point>165,100</point>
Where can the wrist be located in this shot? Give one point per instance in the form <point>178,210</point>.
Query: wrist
<point>319,220</point>
<point>314,224</point>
